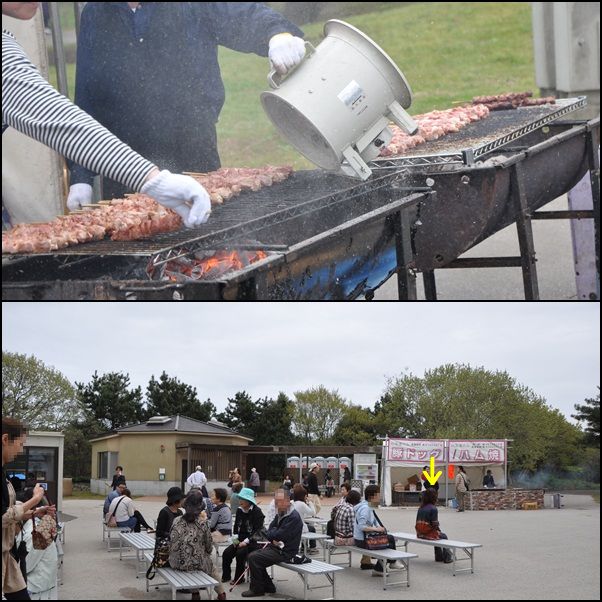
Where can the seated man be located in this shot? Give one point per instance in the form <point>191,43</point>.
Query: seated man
<point>284,538</point>
<point>119,489</point>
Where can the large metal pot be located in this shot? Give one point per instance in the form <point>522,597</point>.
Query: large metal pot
<point>334,108</point>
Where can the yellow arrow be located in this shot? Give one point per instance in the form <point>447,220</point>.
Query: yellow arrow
<point>432,478</point>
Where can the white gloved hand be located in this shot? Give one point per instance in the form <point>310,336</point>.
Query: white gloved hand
<point>182,194</point>
<point>286,52</point>
<point>79,194</point>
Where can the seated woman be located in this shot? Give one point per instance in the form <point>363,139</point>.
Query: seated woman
<point>248,530</point>
<point>306,509</point>
<point>343,516</point>
<point>191,544</point>
<point>220,521</point>
<point>427,524</point>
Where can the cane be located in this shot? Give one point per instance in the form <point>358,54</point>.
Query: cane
<point>242,575</point>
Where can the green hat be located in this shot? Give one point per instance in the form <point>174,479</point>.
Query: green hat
<point>247,494</point>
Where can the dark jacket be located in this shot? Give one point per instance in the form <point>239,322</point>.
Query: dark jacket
<point>312,484</point>
<point>165,521</point>
<point>152,77</point>
<point>287,528</point>
<point>249,524</point>
<point>117,479</point>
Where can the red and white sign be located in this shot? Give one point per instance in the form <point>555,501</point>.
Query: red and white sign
<point>416,451</point>
<point>477,452</point>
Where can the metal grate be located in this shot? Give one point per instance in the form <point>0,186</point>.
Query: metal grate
<point>482,137</point>
<point>239,218</point>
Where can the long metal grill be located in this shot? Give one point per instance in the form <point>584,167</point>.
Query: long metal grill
<point>482,137</point>
<point>304,192</point>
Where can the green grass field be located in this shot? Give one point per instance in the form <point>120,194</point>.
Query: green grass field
<point>449,51</point>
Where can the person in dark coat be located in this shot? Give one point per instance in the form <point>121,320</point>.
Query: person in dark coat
<point>169,512</point>
<point>149,72</point>
<point>284,537</point>
<point>248,530</point>
<point>118,478</point>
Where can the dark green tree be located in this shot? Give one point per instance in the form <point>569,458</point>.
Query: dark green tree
<point>273,423</point>
<point>358,426</point>
<point>589,413</point>
<point>168,397</point>
<point>241,414</point>
<point>109,401</point>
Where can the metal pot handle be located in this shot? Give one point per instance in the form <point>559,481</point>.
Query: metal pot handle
<point>275,79</point>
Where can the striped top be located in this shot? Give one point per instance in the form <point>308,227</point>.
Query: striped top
<point>33,107</point>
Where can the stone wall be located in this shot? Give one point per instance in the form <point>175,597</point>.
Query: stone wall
<point>505,499</point>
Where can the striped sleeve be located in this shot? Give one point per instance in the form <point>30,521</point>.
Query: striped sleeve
<point>32,106</point>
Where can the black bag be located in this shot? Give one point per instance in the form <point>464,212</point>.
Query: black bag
<point>160,557</point>
<point>299,559</point>
<point>19,553</point>
<point>330,529</point>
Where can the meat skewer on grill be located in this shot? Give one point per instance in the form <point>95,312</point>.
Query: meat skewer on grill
<point>136,217</point>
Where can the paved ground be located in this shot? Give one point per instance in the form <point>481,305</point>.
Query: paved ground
<point>555,267</point>
<point>545,554</point>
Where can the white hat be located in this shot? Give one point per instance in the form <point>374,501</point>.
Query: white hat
<point>313,465</point>
<point>198,468</point>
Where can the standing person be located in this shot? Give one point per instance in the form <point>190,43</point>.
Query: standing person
<point>329,482</point>
<point>125,47</point>
<point>312,487</point>
<point>284,537</point>
<point>426,483</point>
<point>191,544</point>
<point>427,524</point>
<point>488,480</point>
<point>236,476</point>
<point>34,108</point>
<point>220,521</point>
<point>13,582</point>
<point>199,479</point>
<point>42,565</point>
<point>347,474</point>
<point>169,512</point>
<point>248,530</point>
<point>366,522</point>
<point>462,486</point>
<point>118,477</point>
<point>254,481</point>
<point>287,484</point>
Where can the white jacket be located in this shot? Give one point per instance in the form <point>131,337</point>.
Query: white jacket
<point>42,565</point>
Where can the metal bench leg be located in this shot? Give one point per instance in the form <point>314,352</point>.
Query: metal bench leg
<point>454,557</point>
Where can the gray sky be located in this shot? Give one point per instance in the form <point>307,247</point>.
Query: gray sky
<point>553,348</point>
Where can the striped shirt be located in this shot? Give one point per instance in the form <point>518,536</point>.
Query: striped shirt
<point>33,107</point>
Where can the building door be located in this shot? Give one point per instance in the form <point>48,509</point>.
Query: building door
<point>184,473</point>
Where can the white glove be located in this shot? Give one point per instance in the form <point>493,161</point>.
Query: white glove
<point>182,194</point>
<point>286,52</point>
<point>79,194</point>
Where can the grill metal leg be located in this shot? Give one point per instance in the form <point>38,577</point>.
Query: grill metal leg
<point>430,286</point>
<point>406,276</point>
<point>593,158</point>
<point>525,236</point>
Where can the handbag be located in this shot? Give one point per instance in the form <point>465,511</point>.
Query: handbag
<point>44,533</point>
<point>376,541</point>
<point>160,557</point>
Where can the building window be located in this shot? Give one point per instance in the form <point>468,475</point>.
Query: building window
<point>107,461</point>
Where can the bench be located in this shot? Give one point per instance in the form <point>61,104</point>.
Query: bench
<point>384,555</point>
<point>467,548</point>
<point>316,521</point>
<point>315,567</point>
<point>141,542</point>
<point>106,534</point>
<point>177,580</point>
<point>309,536</point>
